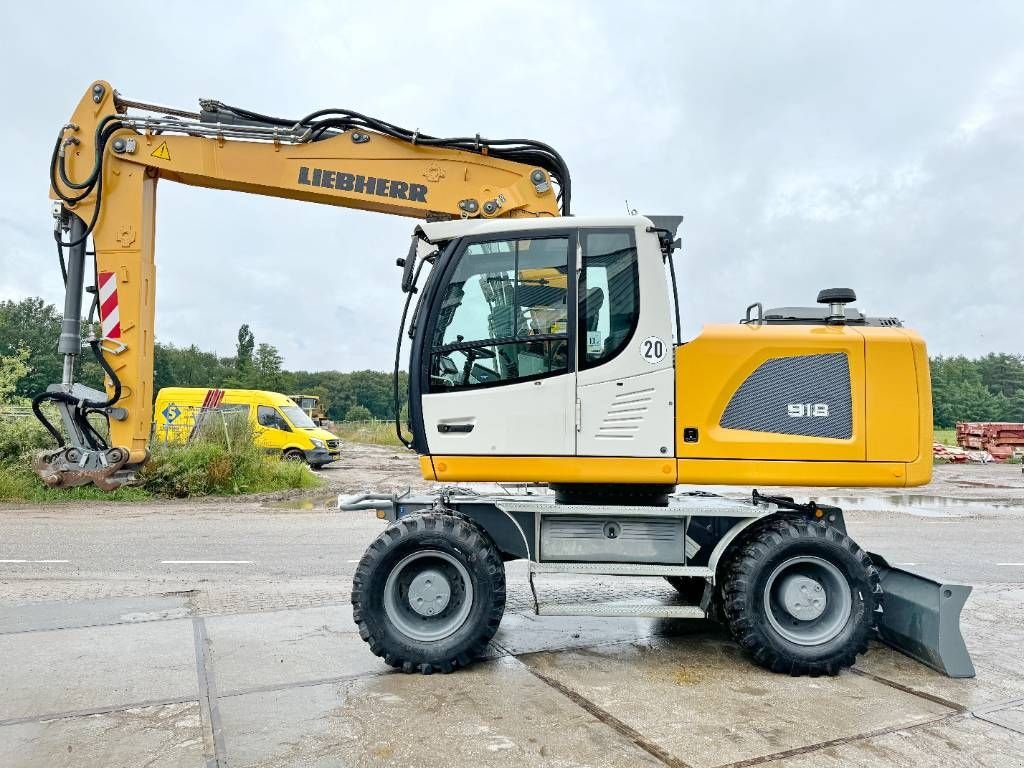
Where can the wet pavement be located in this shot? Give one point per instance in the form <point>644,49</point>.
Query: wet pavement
<point>147,681</point>
<point>200,635</point>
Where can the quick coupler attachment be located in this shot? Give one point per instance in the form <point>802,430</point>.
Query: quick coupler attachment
<point>921,618</point>
<point>70,467</point>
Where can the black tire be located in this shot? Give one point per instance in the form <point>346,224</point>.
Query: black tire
<point>759,622</point>
<point>293,454</point>
<point>416,536</point>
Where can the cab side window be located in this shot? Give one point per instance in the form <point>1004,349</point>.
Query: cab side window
<point>609,295</point>
<point>270,418</point>
<point>504,315</point>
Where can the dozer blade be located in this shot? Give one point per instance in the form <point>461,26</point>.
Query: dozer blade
<point>921,618</point>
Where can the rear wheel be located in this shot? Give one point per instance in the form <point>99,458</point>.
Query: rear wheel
<point>429,593</point>
<point>801,597</point>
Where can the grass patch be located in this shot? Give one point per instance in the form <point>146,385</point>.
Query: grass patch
<point>373,432</point>
<point>945,436</point>
<point>19,483</point>
<point>220,462</point>
<point>212,469</point>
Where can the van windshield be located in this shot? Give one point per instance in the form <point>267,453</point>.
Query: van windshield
<point>297,417</point>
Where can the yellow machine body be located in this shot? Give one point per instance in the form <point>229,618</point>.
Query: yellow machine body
<point>890,443</point>
<point>890,395</point>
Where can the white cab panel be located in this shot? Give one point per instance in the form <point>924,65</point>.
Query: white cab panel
<point>627,404</point>
<point>632,416</point>
<point>532,418</point>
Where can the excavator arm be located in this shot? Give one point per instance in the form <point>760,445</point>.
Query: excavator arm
<point>106,165</point>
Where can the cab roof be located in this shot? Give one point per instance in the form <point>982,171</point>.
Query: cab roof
<point>440,231</point>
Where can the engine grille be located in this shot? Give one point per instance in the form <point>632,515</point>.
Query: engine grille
<point>774,398</point>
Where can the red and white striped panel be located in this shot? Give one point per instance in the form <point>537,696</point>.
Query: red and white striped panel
<point>213,398</point>
<point>110,315</point>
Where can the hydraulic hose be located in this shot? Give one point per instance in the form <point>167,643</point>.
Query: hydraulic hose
<point>83,406</point>
<point>398,357</point>
<point>41,398</point>
<point>526,151</point>
<point>94,344</point>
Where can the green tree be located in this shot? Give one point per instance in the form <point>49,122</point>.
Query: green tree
<point>358,413</point>
<point>13,368</point>
<point>34,325</point>
<point>959,394</point>
<point>267,366</point>
<point>1001,373</point>
<point>244,348</point>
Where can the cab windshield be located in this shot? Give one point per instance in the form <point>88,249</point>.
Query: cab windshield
<point>298,417</point>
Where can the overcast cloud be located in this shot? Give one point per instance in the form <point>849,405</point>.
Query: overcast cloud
<point>872,145</point>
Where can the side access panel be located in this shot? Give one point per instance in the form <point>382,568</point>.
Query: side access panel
<point>630,416</point>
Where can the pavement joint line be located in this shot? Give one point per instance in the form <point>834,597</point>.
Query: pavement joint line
<point>192,592</point>
<point>306,683</point>
<point>843,740</point>
<point>912,691</point>
<point>656,751</point>
<point>208,709</point>
<point>104,710</point>
<point>1000,705</point>
<point>989,720</point>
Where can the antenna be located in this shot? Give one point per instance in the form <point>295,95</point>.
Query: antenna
<point>630,211</point>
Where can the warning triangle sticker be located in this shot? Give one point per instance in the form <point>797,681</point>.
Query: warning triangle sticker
<point>162,152</point>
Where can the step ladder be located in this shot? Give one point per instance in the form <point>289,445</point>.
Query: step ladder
<point>617,609</point>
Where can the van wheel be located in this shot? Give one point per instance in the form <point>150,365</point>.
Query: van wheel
<point>293,454</point>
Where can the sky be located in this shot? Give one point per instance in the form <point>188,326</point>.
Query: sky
<point>873,145</point>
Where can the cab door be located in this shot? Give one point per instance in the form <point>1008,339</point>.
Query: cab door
<point>273,429</point>
<point>626,378</point>
<point>501,359</point>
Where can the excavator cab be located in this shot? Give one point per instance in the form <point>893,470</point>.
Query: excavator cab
<point>548,351</point>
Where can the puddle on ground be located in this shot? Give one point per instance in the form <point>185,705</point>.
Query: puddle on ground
<point>307,503</point>
<point>920,505</point>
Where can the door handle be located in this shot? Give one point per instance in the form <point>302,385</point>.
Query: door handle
<point>446,428</point>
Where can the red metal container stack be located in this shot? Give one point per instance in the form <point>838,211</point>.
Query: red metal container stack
<point>999,438</point>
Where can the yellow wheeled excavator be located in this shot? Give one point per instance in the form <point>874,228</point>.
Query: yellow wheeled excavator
<point>545,349</point>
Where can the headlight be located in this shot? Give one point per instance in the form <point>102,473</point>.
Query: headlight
<point>317,443</point>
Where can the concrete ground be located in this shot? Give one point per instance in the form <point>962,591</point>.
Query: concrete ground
<point>219,633</point>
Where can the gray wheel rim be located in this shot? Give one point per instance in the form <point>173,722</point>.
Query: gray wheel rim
<point>428,595</point>
<point>807,600</point>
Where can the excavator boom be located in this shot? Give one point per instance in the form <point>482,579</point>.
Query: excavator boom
<point>106,164</point>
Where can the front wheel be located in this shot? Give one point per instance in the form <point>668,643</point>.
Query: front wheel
<point>429,593</point>
<point>801,597</point>
<point>293,454</point>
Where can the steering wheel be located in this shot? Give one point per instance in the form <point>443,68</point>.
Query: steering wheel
<point>472,355</point>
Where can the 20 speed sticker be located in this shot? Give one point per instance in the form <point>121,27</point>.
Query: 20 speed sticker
<point>653,350</point>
